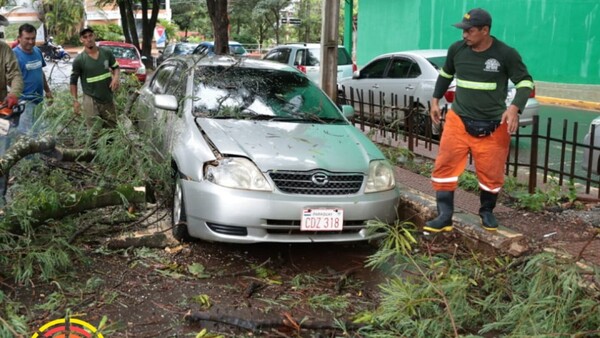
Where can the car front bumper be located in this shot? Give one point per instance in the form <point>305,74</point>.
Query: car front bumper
<point>215,213</point>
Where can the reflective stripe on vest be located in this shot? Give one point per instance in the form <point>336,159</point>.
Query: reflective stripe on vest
<point>476,85</point>
<point>446,75</point>
<point>98,78</point>
<point>525,84</point>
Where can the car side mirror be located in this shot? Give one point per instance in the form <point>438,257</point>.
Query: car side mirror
<point>144,57</point>
<point>166,102</point>
<point>348,111</point>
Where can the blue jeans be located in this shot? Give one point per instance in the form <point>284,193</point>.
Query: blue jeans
<point>26,125</point>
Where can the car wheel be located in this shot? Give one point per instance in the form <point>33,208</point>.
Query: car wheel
<point>179,217</point>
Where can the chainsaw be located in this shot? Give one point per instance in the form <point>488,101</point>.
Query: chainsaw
<point>9,117</point>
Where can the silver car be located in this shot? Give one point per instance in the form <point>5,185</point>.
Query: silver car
<point>307,58</point>
<point>262,154</point>
<point>413,73</point>
<point>595,148</point>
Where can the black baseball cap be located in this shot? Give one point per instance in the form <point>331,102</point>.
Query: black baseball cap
<point>475,18</point>
<point>85,30</point>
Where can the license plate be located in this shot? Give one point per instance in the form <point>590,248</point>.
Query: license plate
<point>322,220</point>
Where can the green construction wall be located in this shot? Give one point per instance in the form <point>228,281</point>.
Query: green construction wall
<point>559,40</point>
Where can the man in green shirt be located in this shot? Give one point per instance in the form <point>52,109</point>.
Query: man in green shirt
<point>99,73</point>
<point>479,121</point>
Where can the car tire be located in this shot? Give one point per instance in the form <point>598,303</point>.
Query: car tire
<point>179,217</point>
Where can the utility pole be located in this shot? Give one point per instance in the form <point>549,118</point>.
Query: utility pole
<point>329,49</point>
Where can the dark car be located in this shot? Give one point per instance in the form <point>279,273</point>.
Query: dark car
<point>179,48</point>
<point>208,48</point>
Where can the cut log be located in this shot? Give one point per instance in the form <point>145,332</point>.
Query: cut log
<point>89,199</point>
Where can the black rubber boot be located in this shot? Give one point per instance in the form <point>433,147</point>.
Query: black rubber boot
<point>445,207</point>
<point>488,203</point>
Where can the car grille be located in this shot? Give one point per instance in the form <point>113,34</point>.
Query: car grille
<point>317,182</point>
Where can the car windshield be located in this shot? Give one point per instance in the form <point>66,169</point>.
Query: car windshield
<point>237,49</point>
<point>437,62</point>
<point>123,52</point>
<point>184,48</point>
<point>260,94</point>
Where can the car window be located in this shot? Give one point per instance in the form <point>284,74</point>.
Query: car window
<point>344,57</point>
<point>237,49</point>
<point>280,55</point>
<point>375,69</point>
<point>169,49</point>
<point>123,52</point>
<point>313,57</point>
<point>161,79</point>
<point>248,93</point>
<point>401,68</point>
<point>176,82</point>
<point>437,62</point>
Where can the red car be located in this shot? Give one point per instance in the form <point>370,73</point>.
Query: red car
<point>130,61</point>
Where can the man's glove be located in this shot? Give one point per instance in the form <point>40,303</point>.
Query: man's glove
<point>11,100</point>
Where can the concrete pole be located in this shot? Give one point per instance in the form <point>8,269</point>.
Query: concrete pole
<point>329,52</point>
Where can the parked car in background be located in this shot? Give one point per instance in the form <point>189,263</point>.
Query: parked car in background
<point>129,58</point>
<point>208,48</point>
<point>413,73</point>
<point>177,48</point>
<point>592,152</point>
<point>262,154</point>
<point>307,58</point>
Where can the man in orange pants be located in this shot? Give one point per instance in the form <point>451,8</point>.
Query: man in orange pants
<point>479,121</point>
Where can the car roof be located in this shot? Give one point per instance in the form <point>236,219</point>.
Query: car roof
<point>300,44</point>
<point>211,43</point>
<point>115,43</point>
<point>227,60</point>
<point>426,53</point>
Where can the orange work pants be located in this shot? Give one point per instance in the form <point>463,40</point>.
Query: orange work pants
<point>489,155</point>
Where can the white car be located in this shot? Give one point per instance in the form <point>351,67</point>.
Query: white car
<point>411,73</point>
<point>307,58</point>
<point>595,157</point>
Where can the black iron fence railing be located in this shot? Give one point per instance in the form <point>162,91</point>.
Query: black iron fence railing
<point>538,153</point>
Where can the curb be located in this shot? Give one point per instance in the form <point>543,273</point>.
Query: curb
<point>590,105</point>
<point>420,207</point>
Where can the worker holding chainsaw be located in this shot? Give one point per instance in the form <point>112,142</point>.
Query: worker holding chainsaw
<point>11,86</point>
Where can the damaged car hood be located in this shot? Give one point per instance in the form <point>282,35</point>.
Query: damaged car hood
<point>292,146</point>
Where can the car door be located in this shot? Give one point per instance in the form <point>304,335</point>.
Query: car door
<point>366,87</point>
<point>401,78</point>
<point>159,124</point>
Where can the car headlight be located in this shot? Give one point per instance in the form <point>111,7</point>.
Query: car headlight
<point>237,173</point>
<point>141,70</point>
<point>381,177</point>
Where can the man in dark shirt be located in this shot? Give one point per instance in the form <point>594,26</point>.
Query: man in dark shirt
<point>99,73</point>
<point>479,121</point>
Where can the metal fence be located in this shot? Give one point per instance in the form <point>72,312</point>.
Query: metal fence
<point>536,156</point>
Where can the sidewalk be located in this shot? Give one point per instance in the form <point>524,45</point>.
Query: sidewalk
<point>418,205</point>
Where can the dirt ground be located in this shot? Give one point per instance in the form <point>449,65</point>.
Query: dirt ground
<point>266,290</point>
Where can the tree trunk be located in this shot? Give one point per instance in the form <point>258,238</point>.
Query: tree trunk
<point>74,203</point>
<point>148,26</point>
<point>217,9</point>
